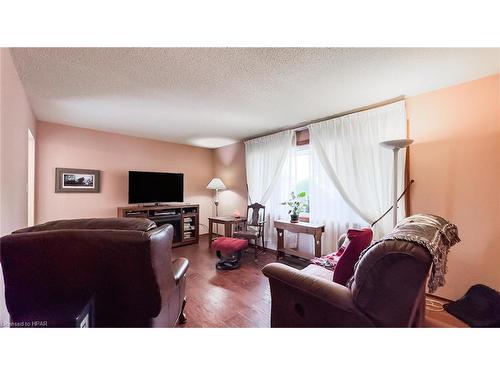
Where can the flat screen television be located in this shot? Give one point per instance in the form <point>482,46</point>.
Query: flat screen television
<point>155,187</point>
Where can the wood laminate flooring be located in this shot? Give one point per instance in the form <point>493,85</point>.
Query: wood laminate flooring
<point>236,298</point>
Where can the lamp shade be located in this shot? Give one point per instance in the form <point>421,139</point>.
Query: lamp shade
<point>396,143</point>
<point>216,184</point>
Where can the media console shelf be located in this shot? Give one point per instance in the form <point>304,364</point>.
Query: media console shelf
<point>183,217</point>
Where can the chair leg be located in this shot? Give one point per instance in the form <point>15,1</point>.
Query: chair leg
<point>182,316</point>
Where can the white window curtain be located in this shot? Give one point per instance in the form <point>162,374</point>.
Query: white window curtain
<point>265,157</point>
<point>270,175</point>
<point>359,170</point>
<point>327,207</point>
<point>275,210</point>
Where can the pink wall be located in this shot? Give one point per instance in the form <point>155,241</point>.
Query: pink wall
<point>455,163</point>
<point>113,154</point>
<point>229,165</point>
<point>15,120</point>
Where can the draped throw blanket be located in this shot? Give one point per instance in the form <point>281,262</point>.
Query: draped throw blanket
<point>432,232</point>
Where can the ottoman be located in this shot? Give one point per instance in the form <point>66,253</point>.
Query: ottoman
<point>228,250</point>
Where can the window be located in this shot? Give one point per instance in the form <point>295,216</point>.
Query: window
<point>302,174</point>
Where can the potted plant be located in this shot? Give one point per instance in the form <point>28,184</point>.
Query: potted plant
<point>295,205</point>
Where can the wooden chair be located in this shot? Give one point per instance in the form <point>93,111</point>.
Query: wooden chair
<point>253,228</point>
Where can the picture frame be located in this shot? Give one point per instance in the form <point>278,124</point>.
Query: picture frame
<point>72,180</point>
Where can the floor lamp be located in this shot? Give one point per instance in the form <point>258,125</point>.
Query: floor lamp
<point>216,184</point>
<point>395,145</point>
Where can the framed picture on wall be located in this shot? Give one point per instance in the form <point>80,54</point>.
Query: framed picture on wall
<point>71,180</point>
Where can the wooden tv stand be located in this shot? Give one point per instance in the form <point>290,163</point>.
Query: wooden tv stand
<point>183,217</point>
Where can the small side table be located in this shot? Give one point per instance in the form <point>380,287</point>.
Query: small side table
<point>227,221</point>
<point>315,230</point>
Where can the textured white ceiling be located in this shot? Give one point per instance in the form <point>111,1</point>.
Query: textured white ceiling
<point>214,96</point>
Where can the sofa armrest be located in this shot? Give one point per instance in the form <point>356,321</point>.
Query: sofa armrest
<point>304,300</point>
<point>318,287</point>
<point>179,266</point>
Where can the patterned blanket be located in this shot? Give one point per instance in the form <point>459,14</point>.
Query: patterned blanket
<point>330,261</point>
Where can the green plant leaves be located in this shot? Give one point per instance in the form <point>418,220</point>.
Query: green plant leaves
<point>296,203</point>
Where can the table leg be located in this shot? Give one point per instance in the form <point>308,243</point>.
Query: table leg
<point>228,229</point>
<point>210,233</point>
<point>317,245</point>
<point>281,243</point>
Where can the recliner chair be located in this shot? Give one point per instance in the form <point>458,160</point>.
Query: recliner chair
<point>123,265</point>
<point>388,291</point>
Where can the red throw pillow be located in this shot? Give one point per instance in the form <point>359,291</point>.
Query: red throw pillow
<point>359,239</point>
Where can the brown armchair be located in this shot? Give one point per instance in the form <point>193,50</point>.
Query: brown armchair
<point>123,265</point>
<point>254,227</point>
<point>388,291</point>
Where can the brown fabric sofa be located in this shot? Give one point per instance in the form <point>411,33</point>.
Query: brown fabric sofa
<point>123,265</point>
<point>388,291</point>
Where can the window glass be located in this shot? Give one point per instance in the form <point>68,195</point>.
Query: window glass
<point>302,173</point>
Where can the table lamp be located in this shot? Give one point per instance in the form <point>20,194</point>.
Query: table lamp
<point>216,184</point>
<point>395,145</point>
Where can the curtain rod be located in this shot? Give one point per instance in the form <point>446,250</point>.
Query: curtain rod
<point>304,124</point>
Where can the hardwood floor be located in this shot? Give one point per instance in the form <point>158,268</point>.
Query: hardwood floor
<point>237,298</point>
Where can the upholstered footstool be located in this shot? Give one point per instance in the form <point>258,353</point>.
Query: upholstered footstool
<point>228,250</point>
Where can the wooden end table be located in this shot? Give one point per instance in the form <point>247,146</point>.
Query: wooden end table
<point>227,221</point>
<point>316,230</point>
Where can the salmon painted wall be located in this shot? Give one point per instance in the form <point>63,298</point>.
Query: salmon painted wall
<point>229,165</point>
<point>114,155</point>
<point>16,118</point>
<point>455,162</point>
